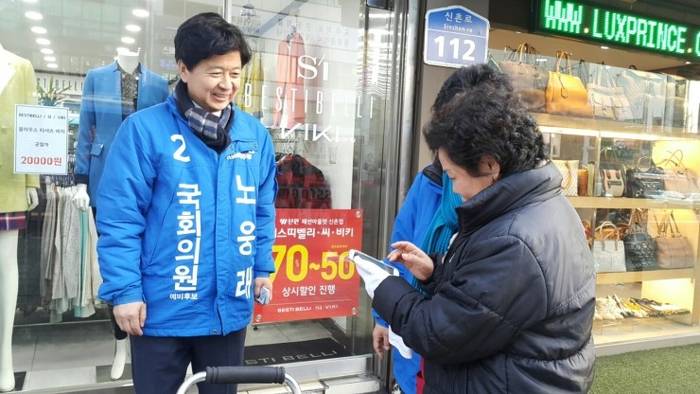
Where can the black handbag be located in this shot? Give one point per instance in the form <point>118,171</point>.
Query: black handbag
<point>645,183</point>
<point>640,247</point>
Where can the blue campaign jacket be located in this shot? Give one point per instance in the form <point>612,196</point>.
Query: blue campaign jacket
<point>411,224</point>
<point>101,116</point>
<point>183,228</point>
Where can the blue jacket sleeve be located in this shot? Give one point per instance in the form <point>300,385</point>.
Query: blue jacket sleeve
<point>404,225</point>
<point>85,131</point>
<point>265,210</point>
<point>123,197</point>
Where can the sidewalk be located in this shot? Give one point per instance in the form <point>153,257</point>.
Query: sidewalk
<point>669,370</point>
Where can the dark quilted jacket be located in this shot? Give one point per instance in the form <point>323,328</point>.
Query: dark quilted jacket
<point>300,184</point>
<point>511,309</point>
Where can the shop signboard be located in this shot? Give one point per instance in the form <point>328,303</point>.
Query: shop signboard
<point>313,278</point>
<point>594,22</point>
<point>455,37</point>
<point>41,140</point>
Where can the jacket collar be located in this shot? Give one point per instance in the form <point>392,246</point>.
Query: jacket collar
<point>510,193</point>
<point>239,131</point>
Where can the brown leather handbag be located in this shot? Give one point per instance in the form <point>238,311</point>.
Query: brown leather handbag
<point>673,249</point>
<point>565,93</point>
<point>677,177</point>
<point>528,80</point>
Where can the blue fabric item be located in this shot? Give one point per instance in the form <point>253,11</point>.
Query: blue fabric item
<point>444,224</point>
<point>101,116</point>
<point>178,221</point>
<point>411,224</point>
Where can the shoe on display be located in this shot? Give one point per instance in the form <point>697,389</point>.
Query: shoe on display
<point>7,380</point>
<point>119,361</point>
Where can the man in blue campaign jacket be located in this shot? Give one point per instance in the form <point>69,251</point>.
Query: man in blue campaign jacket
<point>187,216</point>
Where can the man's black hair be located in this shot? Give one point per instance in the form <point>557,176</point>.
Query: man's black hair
<point>205,35</point>
<point>476,113</point>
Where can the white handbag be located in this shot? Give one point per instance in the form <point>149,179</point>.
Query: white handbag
<point>569,174</point>
<point>608,249</point>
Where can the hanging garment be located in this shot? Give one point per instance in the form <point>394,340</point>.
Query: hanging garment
<point>289,94</point>
<point>249,97</point>
<point>300,184</point>
<point>17,86</point>
<point>101,113</point>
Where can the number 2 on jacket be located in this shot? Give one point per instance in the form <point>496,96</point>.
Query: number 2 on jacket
<point>178,155</point>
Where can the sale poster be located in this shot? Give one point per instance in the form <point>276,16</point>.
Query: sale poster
<point>313,278</point>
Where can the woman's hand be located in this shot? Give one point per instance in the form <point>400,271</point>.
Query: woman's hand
<point>408,254</point>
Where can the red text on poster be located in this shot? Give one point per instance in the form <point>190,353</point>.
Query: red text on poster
<point>313,278</point>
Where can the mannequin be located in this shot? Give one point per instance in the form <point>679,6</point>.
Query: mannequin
<point>99,120</point>
<point>18,194</point>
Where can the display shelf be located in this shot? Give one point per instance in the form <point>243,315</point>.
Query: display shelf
<point>609,128</point>
<point>609,278</point>
<point>636,329</point>
<point>630,203</point>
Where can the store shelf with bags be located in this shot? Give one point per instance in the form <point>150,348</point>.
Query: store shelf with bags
<point>630,169</point>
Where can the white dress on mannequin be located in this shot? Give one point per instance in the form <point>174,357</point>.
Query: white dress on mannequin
<point>9,277</point>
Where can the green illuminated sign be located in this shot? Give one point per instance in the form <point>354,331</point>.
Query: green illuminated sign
<point>592,22</point>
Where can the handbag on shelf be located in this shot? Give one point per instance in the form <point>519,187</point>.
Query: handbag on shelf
<point>565,93</point>
<point>678,178</point>
<point>528,80</point>
<point>673,249</point>
<point>646,93</point>
<point>608,249</point>
<point>613,183</point>
<point>645,183</point>
<point>569,174</point>
<point>582,180</point>
<point>640,247</point>
<point>676,107</point>
<point>607,99</point>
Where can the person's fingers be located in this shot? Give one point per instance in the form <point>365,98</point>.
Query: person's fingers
<point>376,341</point>
<point>385,340</point>
<point>121,323</point>
<point>405,246</point>
<point>142,316</point>
<point>135,329</point>
<point>258,286</point>
<point>412,260</point>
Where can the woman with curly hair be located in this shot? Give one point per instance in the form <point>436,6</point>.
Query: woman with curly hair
<point>509,308</point>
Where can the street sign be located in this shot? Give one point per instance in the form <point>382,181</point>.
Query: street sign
<point>455,37</point>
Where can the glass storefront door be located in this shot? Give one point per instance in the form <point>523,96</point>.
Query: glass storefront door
<point>320,81</point>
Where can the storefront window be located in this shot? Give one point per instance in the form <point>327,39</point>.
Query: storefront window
<point>626,143</point>
<point>319,85</point>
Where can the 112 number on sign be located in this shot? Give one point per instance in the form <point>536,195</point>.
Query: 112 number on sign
<point>297,265</point>
<point>458,46</point>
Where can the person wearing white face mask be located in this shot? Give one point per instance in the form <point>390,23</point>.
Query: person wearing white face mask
<point>509,309</point>
<point>186,216</point>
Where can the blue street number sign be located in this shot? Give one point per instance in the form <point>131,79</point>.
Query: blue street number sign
<point>455,37</point>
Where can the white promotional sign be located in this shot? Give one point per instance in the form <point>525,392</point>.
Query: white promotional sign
<point>41,140</point>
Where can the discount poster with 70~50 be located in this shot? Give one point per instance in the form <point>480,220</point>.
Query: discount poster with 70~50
<point>313,277</point>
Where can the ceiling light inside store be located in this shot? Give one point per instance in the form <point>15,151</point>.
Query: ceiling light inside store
<point>541,59</point>
<point>586,30</point>
<point>43,41</point>
<point>33,15</point>
<point>133,28</point>
<point>687,62</point>
<point>30,1</point>
<point>52,65</point>
<point>604,47</point>
<point>50,58</point>
<point>140,12</point>
<point>128,40</point>
<point>38,30</point>
<point>46,51</point>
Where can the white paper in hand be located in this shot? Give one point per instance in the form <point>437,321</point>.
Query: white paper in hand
<point>396,341</point>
